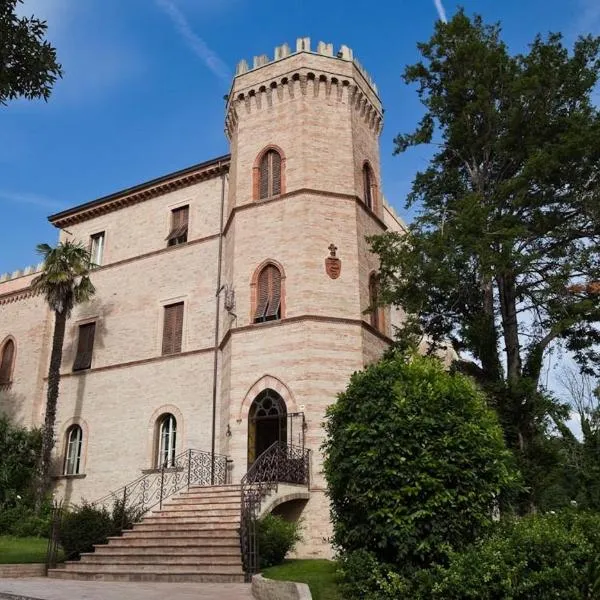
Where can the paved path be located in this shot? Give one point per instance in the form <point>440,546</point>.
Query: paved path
<point>59,589</point>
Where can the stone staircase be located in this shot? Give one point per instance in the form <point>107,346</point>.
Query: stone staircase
<point>194,538</point>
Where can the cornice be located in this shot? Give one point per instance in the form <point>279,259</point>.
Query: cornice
<point>17,295</point>
<point>142,192</point>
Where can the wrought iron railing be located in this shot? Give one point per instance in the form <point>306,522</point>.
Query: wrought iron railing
<point>280,463</point>
<point>128,503</point>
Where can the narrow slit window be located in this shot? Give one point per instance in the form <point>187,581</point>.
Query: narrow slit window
<point>7,357</point>
<point>368,185</point>
<point>179,226</point>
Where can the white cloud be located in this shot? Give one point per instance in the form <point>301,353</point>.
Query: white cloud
<point>32,199</point>
<point>195,42</point>
<point>441,10</point>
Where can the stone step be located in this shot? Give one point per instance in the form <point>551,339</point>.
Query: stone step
<point>181,576</point>
<point>196,520</point>
<point>177,538</point>
<point>208,497</point>
<point>163,528</point>
<point>191,548</point>
<point>196,512</point>
<point>214,489</point>
<point>163,558</point>
<point>202,501</point>
<point>157,568</point>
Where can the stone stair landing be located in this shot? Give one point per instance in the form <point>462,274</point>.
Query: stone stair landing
<point>193,538</point>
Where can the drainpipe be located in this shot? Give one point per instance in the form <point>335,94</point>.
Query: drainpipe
<point>216,351</point>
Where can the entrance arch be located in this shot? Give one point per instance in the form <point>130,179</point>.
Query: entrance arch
<point>267,423</point>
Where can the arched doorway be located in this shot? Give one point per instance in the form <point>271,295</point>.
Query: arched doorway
<point>267,423</point>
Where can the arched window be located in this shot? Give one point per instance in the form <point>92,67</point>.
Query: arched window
<point>7,357</point>
<point>267,423</point>
<point>368,185</point>
<point>376,310</point>
<point>268,295</point>
<point>74,440</point>
<point>167,440</point>
<point>269,175</point>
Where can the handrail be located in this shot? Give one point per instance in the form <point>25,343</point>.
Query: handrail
<point>129,502</point>
<point>279,463</point>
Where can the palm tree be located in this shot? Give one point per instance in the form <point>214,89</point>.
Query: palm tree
<point>65,282</point>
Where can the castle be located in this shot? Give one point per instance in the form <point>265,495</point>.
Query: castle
<point>229,290</point>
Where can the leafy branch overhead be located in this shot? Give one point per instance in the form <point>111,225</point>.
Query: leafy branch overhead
<point>28,64</point>
<point>503,258</point>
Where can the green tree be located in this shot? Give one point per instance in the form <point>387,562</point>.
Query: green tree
<point>503,256</point>
<point>415,462</point>
<point>28,65</point>
<point>64,282</point>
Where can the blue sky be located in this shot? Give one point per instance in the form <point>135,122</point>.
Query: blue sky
<point>144,83</point>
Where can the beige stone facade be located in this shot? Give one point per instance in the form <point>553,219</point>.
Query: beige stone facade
<point>322,114</point>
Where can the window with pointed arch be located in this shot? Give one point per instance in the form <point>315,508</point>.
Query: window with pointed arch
<point>369,186</point>
<point>377,314</point>
<point>73,444</point>
<point>268,294</point>
<point>167,441</point>
<point>268,174</point>
<point>7,359</point>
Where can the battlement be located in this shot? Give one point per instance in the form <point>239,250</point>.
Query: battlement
<point>31,270</point>
<point>303,45</point>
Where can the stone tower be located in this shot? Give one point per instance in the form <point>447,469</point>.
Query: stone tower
<point>319,111</point>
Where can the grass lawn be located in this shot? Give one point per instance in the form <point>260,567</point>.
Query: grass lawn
<point>22,550</point>
<point>318,574</point>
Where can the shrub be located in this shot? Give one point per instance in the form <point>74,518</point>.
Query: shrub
<point>83,527</point>
<point>535,558</point>
<point>415,462</point>
<point>276,537</point>
<point>19,449</point>
<point>23,521</point>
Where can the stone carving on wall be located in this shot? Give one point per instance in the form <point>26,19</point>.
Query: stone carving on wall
<point>333,265</point>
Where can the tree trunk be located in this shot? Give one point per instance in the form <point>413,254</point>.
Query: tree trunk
<point>488,352</point>
<point>60,321</point>
<point>510,328</point>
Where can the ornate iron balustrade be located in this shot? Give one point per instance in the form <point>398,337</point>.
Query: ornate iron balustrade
<point>128,503</point>
<point>280,463</point>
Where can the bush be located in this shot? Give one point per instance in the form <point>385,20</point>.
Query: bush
<point>22,521</point>
<point>276,537</point>
<point>85,526</point>
<point>19,449</point>
<point>535,558</point>
<point>415,462</point>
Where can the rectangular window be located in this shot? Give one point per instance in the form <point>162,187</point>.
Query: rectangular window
<point>97,248</point>
<point>179,226</point>
<point>85,347</point>
<point>172,328</point>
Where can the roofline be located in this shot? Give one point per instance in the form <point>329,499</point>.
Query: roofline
<point>70,215</point>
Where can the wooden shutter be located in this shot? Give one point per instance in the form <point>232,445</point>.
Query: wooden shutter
<point>262,294</point>
<point>373,298</point>
<point>367,183</point>
<point>264,176</point>
<point>274,292</point>
<point>172,328</point>
<point>85,347</point>
<point>179,226</point>
<point>8,353</point>
<point>276,172</point>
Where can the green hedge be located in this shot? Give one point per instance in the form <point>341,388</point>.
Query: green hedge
<point>276,537</point>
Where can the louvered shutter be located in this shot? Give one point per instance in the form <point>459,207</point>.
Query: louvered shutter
<point>7,358</point>
<point>264,176</point>
<point>274,292</point>
<point>179,226</point>
<point>276,173</point>
<point>85,347</point>
<point>262,294</point>
<point>172,328</point>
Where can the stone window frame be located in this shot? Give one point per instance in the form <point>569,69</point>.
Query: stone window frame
<point>160,322</point>
<point>11,371</point>
<point>256,172</point>
<point>254,290</point>
<point>153,443</point>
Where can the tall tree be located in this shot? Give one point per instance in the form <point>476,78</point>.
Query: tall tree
<point>28,65</point>
<point>65,282</point>
<point>503,255</point>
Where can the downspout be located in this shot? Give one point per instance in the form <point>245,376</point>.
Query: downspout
<point>216,351</point>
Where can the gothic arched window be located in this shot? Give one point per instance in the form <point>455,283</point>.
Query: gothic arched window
<point>269,175</point>
<point>7,357</point>
<point>268,294</point>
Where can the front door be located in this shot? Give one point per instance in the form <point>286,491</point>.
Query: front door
<point>267,423</point>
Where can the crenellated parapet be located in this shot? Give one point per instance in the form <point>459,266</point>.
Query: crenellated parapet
<point>336,77</point>
<point>31,270</point>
